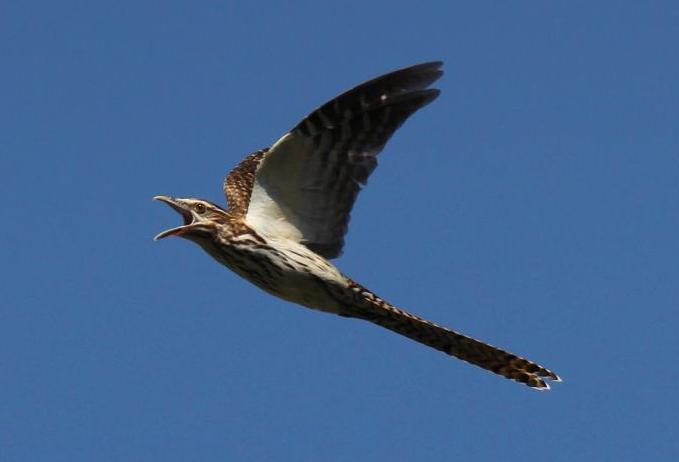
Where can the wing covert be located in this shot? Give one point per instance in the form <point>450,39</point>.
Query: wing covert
<point>238,183</point>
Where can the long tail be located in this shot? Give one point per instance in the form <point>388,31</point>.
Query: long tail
<point>453,343</point>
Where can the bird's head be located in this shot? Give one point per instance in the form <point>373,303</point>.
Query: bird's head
<point>200,217</point>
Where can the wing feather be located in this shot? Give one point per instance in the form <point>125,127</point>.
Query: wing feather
<point>305,186</point>
<point>238,183</point>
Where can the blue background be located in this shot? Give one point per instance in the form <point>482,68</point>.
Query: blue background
<point>533,205</point>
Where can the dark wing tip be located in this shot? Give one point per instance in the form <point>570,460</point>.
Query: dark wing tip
<point>411,78</point>
<point>432,68</point>
<point>427,96</point>
<point>407,84</point>
<point>428,67</point>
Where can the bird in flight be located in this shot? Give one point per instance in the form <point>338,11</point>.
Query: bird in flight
<point>289,208</point>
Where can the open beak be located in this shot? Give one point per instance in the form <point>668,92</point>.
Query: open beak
<point>183,210</point>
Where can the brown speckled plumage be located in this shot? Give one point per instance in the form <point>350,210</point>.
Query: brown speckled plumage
<point>450,342</point>
<point>289,209</point>
<point>238,183</point>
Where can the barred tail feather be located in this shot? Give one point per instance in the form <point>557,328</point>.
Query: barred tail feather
<point>453,343</point>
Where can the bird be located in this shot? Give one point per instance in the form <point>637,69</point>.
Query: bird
<point>289,207</point>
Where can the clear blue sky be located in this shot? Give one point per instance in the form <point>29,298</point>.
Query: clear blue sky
<point>534,205</point>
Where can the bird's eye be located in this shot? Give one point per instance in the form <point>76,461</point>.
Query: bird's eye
<point>200,208</point>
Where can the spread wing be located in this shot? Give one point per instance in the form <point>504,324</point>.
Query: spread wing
<point>304,187</point>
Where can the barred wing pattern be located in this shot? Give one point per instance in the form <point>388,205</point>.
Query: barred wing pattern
<point>300,192</point>
<point>306,184</point>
